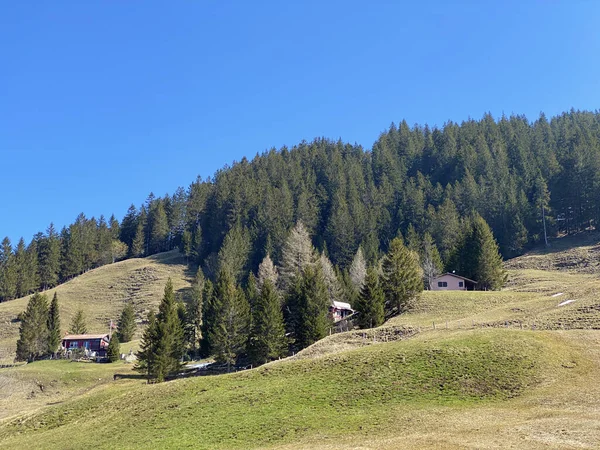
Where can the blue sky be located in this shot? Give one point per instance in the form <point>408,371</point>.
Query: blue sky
<point>103,102</point>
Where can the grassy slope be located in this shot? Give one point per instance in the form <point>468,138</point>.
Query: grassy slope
<point>360,393</point>
<point>443,388</point>
<point>102,293</point>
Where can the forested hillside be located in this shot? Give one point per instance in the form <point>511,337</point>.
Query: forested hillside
<point>414,180</point>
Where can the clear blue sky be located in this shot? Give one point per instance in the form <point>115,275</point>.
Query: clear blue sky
<point>102,102</point>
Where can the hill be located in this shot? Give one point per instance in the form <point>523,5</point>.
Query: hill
<point>517,368</point>
<point>102,293</point>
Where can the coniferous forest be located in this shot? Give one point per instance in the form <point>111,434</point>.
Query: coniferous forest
<point>425,184</point>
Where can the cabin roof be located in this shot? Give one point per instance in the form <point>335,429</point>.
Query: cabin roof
<point>342,305</point>
<point>83,337</point>
<point>456,276</point>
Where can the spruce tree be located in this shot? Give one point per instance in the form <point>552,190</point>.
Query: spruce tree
<point>489,272</point>
<point>402,277</point>
<point>33,331</point>
<point>113,350</point>
<point>267,338</point>
<point>49,258</point>
<point>313,320</point>
<point>137,245</point>
<point>54,334</point>
<point>126,325</point>
<point>235,251</point>
<point>159,228</point>
<point>370,303</point>
<point>8,271</point>
<point>229,334</point>
<point>209,313</point>
<point>162,342</point>
<point>78,324</point>
<point>194,314</point>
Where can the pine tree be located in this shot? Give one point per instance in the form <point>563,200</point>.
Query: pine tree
<point>402,277</point>
<point>267,339</point>
<point>313,321</point>
<point>370,303</point>
<point>54,334</point>
<point>229,333</point>
<point>358,270</point>
<point>113,351</point>
<point>298,253</point>
<point>78,323</point>
<point>267,271</point>
<point>209,313</point>
<point>126,325</point>
<point>33,332</point>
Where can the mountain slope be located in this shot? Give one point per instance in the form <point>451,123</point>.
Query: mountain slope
<point>102,293</point>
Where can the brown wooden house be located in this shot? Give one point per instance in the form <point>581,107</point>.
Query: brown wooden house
<point>97,343</point>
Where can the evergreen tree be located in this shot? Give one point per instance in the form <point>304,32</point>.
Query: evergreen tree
<point>229,334</point>
<point>195,312</point>
<point>8,271</point>
<point>138,245</point>
<point>489,273</point>
<point>49,258</point>
<point>78,323</point>
<point>267,339</point>
<point>129,226</point>
<point>209,313</point>
<point>235,251</point>
<point>54,334</point>
<point>370,303</point>
<point>334,287</point>
<point>113,351</point>
<point>312,322</point>
<point>402,277</point>
<point>126,325</point>
<point>33,332</point>
<point>159,226</point>
<point>162,343</point>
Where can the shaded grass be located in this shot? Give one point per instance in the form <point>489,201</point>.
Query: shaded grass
<point>357,390</point>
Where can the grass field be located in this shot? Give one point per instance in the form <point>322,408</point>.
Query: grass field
<point>501,369</point>
<point>102,293</point>
<point>359,393</point>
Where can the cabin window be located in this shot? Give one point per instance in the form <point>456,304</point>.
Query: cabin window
<point>86,344</point>
<point>442,284</point>
<point>73,344</point>
<point>461,284</point>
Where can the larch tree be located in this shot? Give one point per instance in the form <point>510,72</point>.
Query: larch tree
<point>402,277</point>
<point>78,323</point>
<point>334,287</point>
<point>358,270</point>
<point>33,331</point>
<point>370,303</point>
<point>235,252</point>
<point>298,253</point>
<point>431,261</point>
<point>267,271</point>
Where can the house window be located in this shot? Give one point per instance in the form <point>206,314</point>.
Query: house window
<point>73,344</point>
<point>86,344</point>
<point>442,284</point>
<point>461,284</point>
